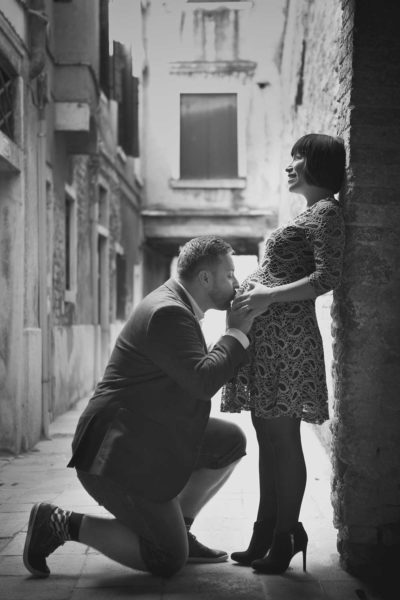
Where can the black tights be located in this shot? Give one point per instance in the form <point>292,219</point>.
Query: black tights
<point>282,470</point>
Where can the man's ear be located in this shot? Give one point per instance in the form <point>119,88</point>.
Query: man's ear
<point>204,277</point>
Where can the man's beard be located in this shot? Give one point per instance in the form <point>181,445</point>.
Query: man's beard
<point>220,302</point>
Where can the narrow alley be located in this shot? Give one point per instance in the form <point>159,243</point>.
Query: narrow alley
<point>78,573</point>
<point>129,127</point>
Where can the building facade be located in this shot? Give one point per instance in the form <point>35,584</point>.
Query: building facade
<point>70,229</point>
<point>226,88</point>
<point>211,128</point>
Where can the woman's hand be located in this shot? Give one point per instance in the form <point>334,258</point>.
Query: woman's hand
<point>255,300</point>
<point>239,319</point>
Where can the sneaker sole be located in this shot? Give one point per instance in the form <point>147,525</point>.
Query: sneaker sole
<point>199,560</point>
<point>31,523</point>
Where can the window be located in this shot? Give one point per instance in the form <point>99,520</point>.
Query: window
<point>7,99</point>
<point>103,256</point>
<point>104,75</point>
<point>125,90</point>
<point>104,207</point>
<point>70,245</point>
<point>120,267</point>
<point>102,280</point>
<point>208,136</point>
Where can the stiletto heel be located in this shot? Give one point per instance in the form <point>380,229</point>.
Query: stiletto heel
<point>284,546</point>
<point>304,558</point>
<point>260,542</point>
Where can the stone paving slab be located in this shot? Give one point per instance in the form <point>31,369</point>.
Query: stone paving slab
<point>225,581</point>
<point>116,594</point>
<point>81,573</point>
<point>283,587</point>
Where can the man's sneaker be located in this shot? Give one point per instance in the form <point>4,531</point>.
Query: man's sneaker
<point>43,536</point>
<point>198,553</point>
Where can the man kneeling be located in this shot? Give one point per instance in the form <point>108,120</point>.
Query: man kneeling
<point>145,447</point>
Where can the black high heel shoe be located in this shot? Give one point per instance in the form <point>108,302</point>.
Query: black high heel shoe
<point>284,546</point>
<point>261,540</point>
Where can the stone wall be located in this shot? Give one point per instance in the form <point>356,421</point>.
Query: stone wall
<point>74,349</point>
<point>52,342</point>
<point>311,103</point>
<point>341,75</point>
<point>20,359</point>
<point>366,484</point>
<point>82,340</point>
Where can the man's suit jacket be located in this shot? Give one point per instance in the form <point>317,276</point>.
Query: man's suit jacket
<point>144,425</point>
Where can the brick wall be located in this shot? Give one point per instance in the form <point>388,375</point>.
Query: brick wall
<point>366,484</point>
<point>341,74</point>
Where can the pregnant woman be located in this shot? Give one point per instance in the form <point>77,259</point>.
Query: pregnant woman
<point>284,382</point>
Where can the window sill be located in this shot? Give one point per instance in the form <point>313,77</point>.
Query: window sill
<point>237,183</point>
<point>235,5</point>
<point>102,230</point>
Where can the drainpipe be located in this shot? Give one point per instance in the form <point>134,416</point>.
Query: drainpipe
<point>37,23</point>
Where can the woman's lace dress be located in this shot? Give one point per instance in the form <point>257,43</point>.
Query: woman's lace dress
<point>286,372</point>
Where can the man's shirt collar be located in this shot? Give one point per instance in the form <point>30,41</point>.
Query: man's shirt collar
<point>199,314</point>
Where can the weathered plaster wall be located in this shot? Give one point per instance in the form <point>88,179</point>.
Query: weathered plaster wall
<point>311,103</point>
<point>29,419</point>
<point>81,346</point>
<point>20,360</point>
<point>71,47</point>
<point>74,368</point>
<point>310,82</point>
<point>11,313</point>
<point>185,47</point>
<point>30,270</point>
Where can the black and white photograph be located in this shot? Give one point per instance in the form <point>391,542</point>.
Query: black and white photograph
<point>199,299</point>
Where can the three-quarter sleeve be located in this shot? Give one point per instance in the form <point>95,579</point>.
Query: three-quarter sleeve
<point>325,232</point>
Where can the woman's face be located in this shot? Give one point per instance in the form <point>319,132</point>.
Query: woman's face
<point>295,171</point>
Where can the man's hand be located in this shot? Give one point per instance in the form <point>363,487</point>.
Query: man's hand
<point>255,300</point>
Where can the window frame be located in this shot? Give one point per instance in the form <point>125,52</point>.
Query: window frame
<point>215,87</point>
<point>72,246</point>
<point>120,291</point>
<point>102,249</point>
<point>201,160</point>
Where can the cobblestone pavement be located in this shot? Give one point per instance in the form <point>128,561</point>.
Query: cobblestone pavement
<point>78,572</point>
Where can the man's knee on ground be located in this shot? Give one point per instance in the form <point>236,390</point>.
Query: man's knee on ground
<point>161,562</point>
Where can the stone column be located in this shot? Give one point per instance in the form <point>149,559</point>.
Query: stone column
<point>366,312</point>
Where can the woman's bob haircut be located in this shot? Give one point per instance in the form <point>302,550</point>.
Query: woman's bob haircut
<point>325,160</point>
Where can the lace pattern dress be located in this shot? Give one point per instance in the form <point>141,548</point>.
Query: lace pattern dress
<point>286,372</point>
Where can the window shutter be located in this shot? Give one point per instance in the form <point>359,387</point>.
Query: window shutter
<point>208,136</point>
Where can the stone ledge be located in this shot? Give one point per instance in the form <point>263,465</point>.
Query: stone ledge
<point>234,183</point>
<point>11,157</point>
